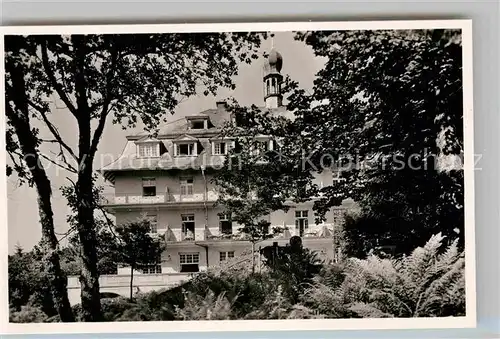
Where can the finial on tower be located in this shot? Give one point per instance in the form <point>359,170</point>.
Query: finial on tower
<point>272,40</point>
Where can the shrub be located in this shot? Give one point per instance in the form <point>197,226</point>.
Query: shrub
<point>275,306</point>
<point>28,314</point>
<point>247,291</point>
<point>208,307</point>
<point>294,270</point>
<point>423,284</point>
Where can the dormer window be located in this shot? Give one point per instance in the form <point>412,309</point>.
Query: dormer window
<point>198,124</point>
<point>187,146</point>
<point>220,148</point>
<point>150,148</point>
<point>186,149</point>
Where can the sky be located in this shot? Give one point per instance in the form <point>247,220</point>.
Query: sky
<point>24,229</point>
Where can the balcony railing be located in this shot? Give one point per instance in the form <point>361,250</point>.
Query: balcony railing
<point>164,198</point>
<point>175,234</point>
<point>161,279</point>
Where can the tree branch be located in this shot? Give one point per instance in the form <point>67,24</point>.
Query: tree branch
<point>107,101</point>
<point>53,129</point>
<point>53,80</point>
<point>68,167</point>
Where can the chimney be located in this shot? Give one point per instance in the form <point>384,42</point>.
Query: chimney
<point>221,105</point>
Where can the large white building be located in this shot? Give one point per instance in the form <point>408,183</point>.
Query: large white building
<point>168,179</point>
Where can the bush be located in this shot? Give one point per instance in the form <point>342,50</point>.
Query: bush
<point>426,283</point>
<point>28,314</point>
<point>209,307</point>
<point>294,270</point>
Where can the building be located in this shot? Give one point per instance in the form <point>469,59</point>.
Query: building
<point>169,180</point>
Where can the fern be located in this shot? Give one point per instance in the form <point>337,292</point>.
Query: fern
<point>208,307</point>
<point>414,286</point>
<point>423,284</point>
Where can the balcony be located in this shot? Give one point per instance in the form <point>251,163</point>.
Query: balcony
<point>175,234</point>
<point>166,198</point>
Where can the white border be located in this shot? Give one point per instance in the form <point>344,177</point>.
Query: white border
<point>468,321</point>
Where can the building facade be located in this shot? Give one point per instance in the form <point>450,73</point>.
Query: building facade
<point>168,179</point>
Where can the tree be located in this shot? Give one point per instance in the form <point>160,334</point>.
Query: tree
<point>256,180</point>
<point>245,199</point>
<point>123,78</point>
<point>23,147</point>
<point>137,248</point>
<point>293,267</point>
<point>29,282</point>
<point>393,100</point>
<point>106,238</point>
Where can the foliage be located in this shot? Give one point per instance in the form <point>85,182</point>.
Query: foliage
<point>246,291</point>
<point>98,78</point>
<point>28,314</point>
<point>402,90</point>
<point>29,284</point>
<point>427,283</point>
<point>294,270</point>
<point>210,307</point>
<point>363,234</point>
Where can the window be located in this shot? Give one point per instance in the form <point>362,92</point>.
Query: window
<point>149,150</point>
<point>225,224</point>
<point>153,222</point>
<point>152,269</point>
<point>187,186</point>
<point>198,124</point>
<point>148,187</point>
<point>187,149</point>
<point>223,256</point>
<point>188,226</point>
<point>189,262</point>
<point>339,216</point>
<point>301,222</point>
<point>220,148</point>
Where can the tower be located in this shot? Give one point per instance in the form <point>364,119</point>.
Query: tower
<point>272,78</point>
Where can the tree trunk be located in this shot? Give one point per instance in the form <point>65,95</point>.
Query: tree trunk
<point>253,257</point>
<point>19,118</point>
<point>131,283</point>
<point>89,278</point>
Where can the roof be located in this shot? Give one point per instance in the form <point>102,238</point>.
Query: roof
<point>168,135</point>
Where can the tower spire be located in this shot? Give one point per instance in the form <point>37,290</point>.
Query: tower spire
<point>272,78</point>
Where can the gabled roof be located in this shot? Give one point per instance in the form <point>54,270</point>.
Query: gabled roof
<point>185,137</point>
<point>197,117</point>
<point>175,131</point>
<point>147,139</point>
